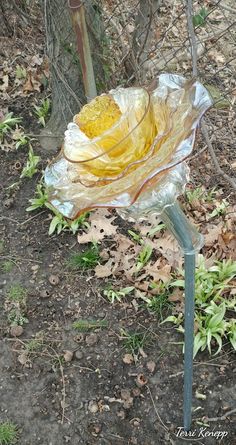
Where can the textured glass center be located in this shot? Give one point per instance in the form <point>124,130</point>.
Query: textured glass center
<point>98,116</point>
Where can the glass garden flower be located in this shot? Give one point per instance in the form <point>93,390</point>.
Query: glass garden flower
<point>127,144</point>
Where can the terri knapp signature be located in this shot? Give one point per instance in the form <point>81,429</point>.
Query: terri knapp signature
<point>201,432</point>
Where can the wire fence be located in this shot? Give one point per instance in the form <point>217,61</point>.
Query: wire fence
<point>147,37</point>
<point>132,41</point>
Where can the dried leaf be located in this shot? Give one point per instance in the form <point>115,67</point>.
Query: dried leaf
<point>177,295</point>
<point>5,83</point>
<point>213,234</point>
<point>106,270</point>
<point>101,226</point>
<point>31,84</point>
<point>158,272</point>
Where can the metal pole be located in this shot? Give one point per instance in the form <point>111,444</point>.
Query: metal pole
<point>80,27</point>
<point>187,237</point>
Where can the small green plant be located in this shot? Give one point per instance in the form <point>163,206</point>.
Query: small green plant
<point>21,72</point>
<point>16,317</point>
<point>136,237</point>
<point>220,209</point>
<point>116,295</point>
<point>199,19</point>
<point>60,224</point>
<point>85,260</point>
<point>87,325</point>
<point>200,194</point>
<point>231,330</point>
<point>159,304</point>
<point>40,200</point>
<point>212,326</point>
<point>34,345</point>
<point>7,123</point>
<point>21,140</point>
<point>7,266</point>
<point>143,257</point>
<point>156,229</point>
<point>31,165</point>
<point>212,305</point>
<point>42,111</point>
<point>8,433</point>
<point>15,304</point>
<point>135,341</point>
<point>17,293</point>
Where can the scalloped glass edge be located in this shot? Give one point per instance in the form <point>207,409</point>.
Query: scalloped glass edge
<point>71,198</point>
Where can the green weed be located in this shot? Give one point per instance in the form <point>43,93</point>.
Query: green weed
<point>16,317</point>
<point>159,304</point>
<point>135,341</point>
<point>42,111</point>
<point>58,223</point>
<point>200,194</point>
<point>17,293</point>
<point>21,72</point>
<point>31,165</point>
<point>21,140</point>
<point>116,295</point>
<point>212,305</point>
<point>136,237</point>
<point>34,345</point>
<point>87,325</point>
<point>7,266</point>
<point>85,260</point>
<point>156,229</point>
<point>16,304</point>
<point>7,123</point>
<point>8,433</point>
<point>40,200</point>
<point>143,257</point>
<point>199,19</point>
<point>220,209</point>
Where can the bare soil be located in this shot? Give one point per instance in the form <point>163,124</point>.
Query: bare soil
<point>90,395</point>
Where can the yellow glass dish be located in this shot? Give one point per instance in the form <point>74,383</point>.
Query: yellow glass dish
<point>126,142</point>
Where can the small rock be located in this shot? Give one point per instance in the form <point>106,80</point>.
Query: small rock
<point>151,366</point>
<point>128,359</point>
<point>68,356</point>
<point>93,407</point>
<point>23,358</point>
<point>8,203</point>
<point>135,421</point>
<point>136,392</point>
<point>16,331</point>
<point>35,267</point>
<point>44,293</point>
<point>126,397</point>
<point>91,339</point>
<point>141,380</point>
<point>121,414</point>
<point>54,280</point>
<point>79,355</point>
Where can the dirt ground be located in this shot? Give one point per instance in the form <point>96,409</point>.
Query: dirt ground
<point>72,387</point>
<point>94,398</point>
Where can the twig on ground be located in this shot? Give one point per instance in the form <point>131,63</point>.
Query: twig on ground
<point>155,408</point>
<point>216,419</point>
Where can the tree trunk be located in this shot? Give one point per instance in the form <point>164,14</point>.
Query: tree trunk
<point>65,68</point>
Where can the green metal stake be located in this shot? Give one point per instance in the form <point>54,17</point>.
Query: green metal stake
<point>190,241</point>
